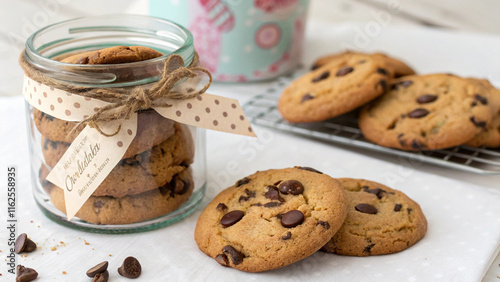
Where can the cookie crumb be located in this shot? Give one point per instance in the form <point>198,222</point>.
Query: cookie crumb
<point>86,243</point>
<point>110,255</point>
<point>53,248</point>
<point>64,272</point>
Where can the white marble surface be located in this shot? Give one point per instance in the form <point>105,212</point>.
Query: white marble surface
<point>428,51</point>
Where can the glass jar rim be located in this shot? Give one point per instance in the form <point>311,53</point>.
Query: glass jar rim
<point>96,74</point>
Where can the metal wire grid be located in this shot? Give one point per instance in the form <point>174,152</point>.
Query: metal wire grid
<point>262,110</point>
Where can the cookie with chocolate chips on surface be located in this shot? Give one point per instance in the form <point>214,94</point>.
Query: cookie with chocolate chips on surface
<point>380,220</point>
<point>271,219</point>
<point>428,112</point>
<point>399,68</point>
<point>335,88</point>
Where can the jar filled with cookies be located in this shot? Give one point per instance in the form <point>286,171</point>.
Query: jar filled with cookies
<point>111,105</point>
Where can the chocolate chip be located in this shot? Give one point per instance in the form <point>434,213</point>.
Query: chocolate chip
<point>222,259</point>
<point>382,71</point>
<point>415,144</point>
<point>221,207</point>
<point>292,218</point>
<point>273,194</point>
<point>366,208</point>
<point>404,83</point>
<point>99,268</point>
<point>368,249</point>
<point>377,191</point>
<point>325,224</point>
<point>401,141</point>
<point>179,186</point>
<point>273,204</point>
<point>231,218</point>
<point>279,216</point>
<point>481,99</point>
<point>481,124</point>
<point>24,244</point>
<point>344,71</point>
<point>242,181</point>
<point>243,199</point>
<point>383,84</point>
<point>397,207</point>
<point>315,66</point>
<point>427,98</point>
<point>293,187</point>
<point>257,204</point>
<point>277,183</point>
<point>287,236</point>
<point>47,116</point>
<point>131,268</point>
<point>418,113</point>
<point>306,97</point>
<point>25,274</point>
<point>101,277</point>
<point>249,194</point>
<point>323,75</point>
<point>409,210</point>
<point>99,204</point>
<point>236,257</point>
<point>309,169</point>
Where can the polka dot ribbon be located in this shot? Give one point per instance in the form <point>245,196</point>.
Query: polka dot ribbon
<point>205,111</point>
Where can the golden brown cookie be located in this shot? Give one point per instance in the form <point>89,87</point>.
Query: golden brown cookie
<point>271,219</point>
<point>491,136</point>
<point>399,68</point>
<point>142,172</point>
<point>152,129</point>
<point>427,112</point>
<point>335,88</point>
<point>380,220</point>
<point>113,55</point>
<point>134,208</point>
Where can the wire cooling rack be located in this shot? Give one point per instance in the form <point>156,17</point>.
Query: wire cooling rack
<point>262,110</point>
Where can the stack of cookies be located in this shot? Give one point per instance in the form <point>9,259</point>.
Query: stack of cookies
<point>276,217</point>
<point>152,179</point>
<point>401,110</point>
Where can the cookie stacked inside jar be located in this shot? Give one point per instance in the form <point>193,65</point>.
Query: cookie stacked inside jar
<point>153,177</point>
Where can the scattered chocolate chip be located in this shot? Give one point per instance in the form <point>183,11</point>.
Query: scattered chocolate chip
<point>481,99</point>
<point>377,191</point>
<point>404,83</point>
<point>221,207</point>
<point>24,244</point>
<point>243,199</point>
<point>131,268</point>
<point>309,169</point>
<point>329,248</point>
<point>242,181</point>
<point>418,113</point>
<point>179,186</point>
<point>277,183</point>
<point>25,274</point>
<point>257,204</point>
<point>481,124</point>
<point>427,98</point>
<point>287,236</point>
<point>99,268</point>
<point>344,71</point>
<point>101,277</point>
<point>273,194</point>
<point>383,84</point>
<point>415,144</point>
<point>409,210</point>
<point>315,66</point>
<point>249,194</point>
<point>368,249</point>
<point>236,257</point>
<point>99,204</point>
<point>325,224</point>
<point>293,187</point>
<point>323,75</point>
<point>397,207</point>
<point>231,218</point>
<point>272,204</point>
<point>306,97</point>
<point>47,116</point>
<point>222,259</point>
<point>382,71</point>
<point>292,218</point>
<point>366,208</point>
<point>279,216</point>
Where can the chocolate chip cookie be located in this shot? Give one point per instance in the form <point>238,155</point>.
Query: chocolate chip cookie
<point>271,219</point>
<point>399,68</point>
<point>380,220</point>
<point>113,55</point>
<point>335,88</point>
<point>132,208</point>
<point>427,112</point>
<point>152,129</point>
<point>142,172</point>
<point>491,136</point>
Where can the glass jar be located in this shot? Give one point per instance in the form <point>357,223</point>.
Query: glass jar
<point>140,192</point>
